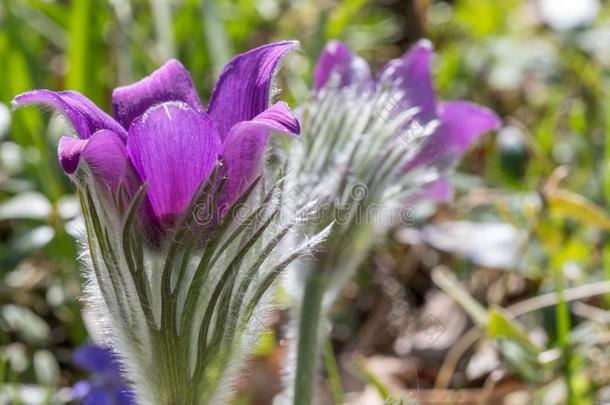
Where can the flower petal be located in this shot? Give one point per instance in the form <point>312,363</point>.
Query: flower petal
<point>81,389</point>
<point>98,119</point>
<point>85,117</point>
<point>106,157</point>
<point>245,144</point>
<point>412,74</point>
<point>174,149</point>
<point>69,151</point>
<point>94,359</point>
<point>438,191</point>
<point>99,395</point>
<point>337,59</point>
<point>171,82</point>
<point>104,153</point>
<point>243,88</point>
<point>461,122</point>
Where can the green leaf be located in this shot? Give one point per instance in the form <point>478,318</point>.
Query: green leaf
<point>342,15</point>
<point>78,54</point>
<point>216,36</point>
<point>483,18</point>
<point>452,287</point>
<point>266,343</point>
<point>567,204</point>
<point>521,360</point>
<point>501,326</point>
<point>372,379</point>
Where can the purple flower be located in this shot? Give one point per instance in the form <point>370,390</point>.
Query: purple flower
<point>160,133</point>
<point>177,268</point>
<point>105,385</point>
<point>460,123</point>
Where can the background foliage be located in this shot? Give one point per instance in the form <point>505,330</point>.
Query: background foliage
<point>510,302</point>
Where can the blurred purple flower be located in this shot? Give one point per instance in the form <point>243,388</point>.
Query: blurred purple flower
<point>105,385</point>
<point>460,123</point>
<point>162,135</point>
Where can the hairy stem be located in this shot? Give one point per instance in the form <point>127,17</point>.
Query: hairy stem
<point>307,340</point>
<point>175,387</point>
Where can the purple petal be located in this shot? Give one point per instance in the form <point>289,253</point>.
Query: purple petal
<point>413,76</point>
<point>438,191</point>
<point>174,149</point>
<point>69,152</point>
<point>81,389</point>
<point>98,396</point>
<point>243,88</point>
<point>94,359</point>
<point>98,119</point>
<point>171,82</point>
<point>245,144</point>
<point>461,122</point>
<point>106,157</point>
<point>104,153</point>
<point>279,117</point>
<point>337,59</point>
<point>85,117</point>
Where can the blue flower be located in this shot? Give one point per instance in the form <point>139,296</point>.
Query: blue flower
<point>105,385</point>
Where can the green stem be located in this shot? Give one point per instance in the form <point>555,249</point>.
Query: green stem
<point>607,266</point>
<point>79,52</point>
<point>307,340</point>
<point>334,377</point>
<point>563,332</point>
<point>162,15</point>
<point>174,385</point>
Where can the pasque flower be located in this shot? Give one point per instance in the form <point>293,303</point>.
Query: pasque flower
<point>378,141</point>
<point>371,146</point>
<point>459,123</point>
<point>183,238</point>
<point>160,133</point>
